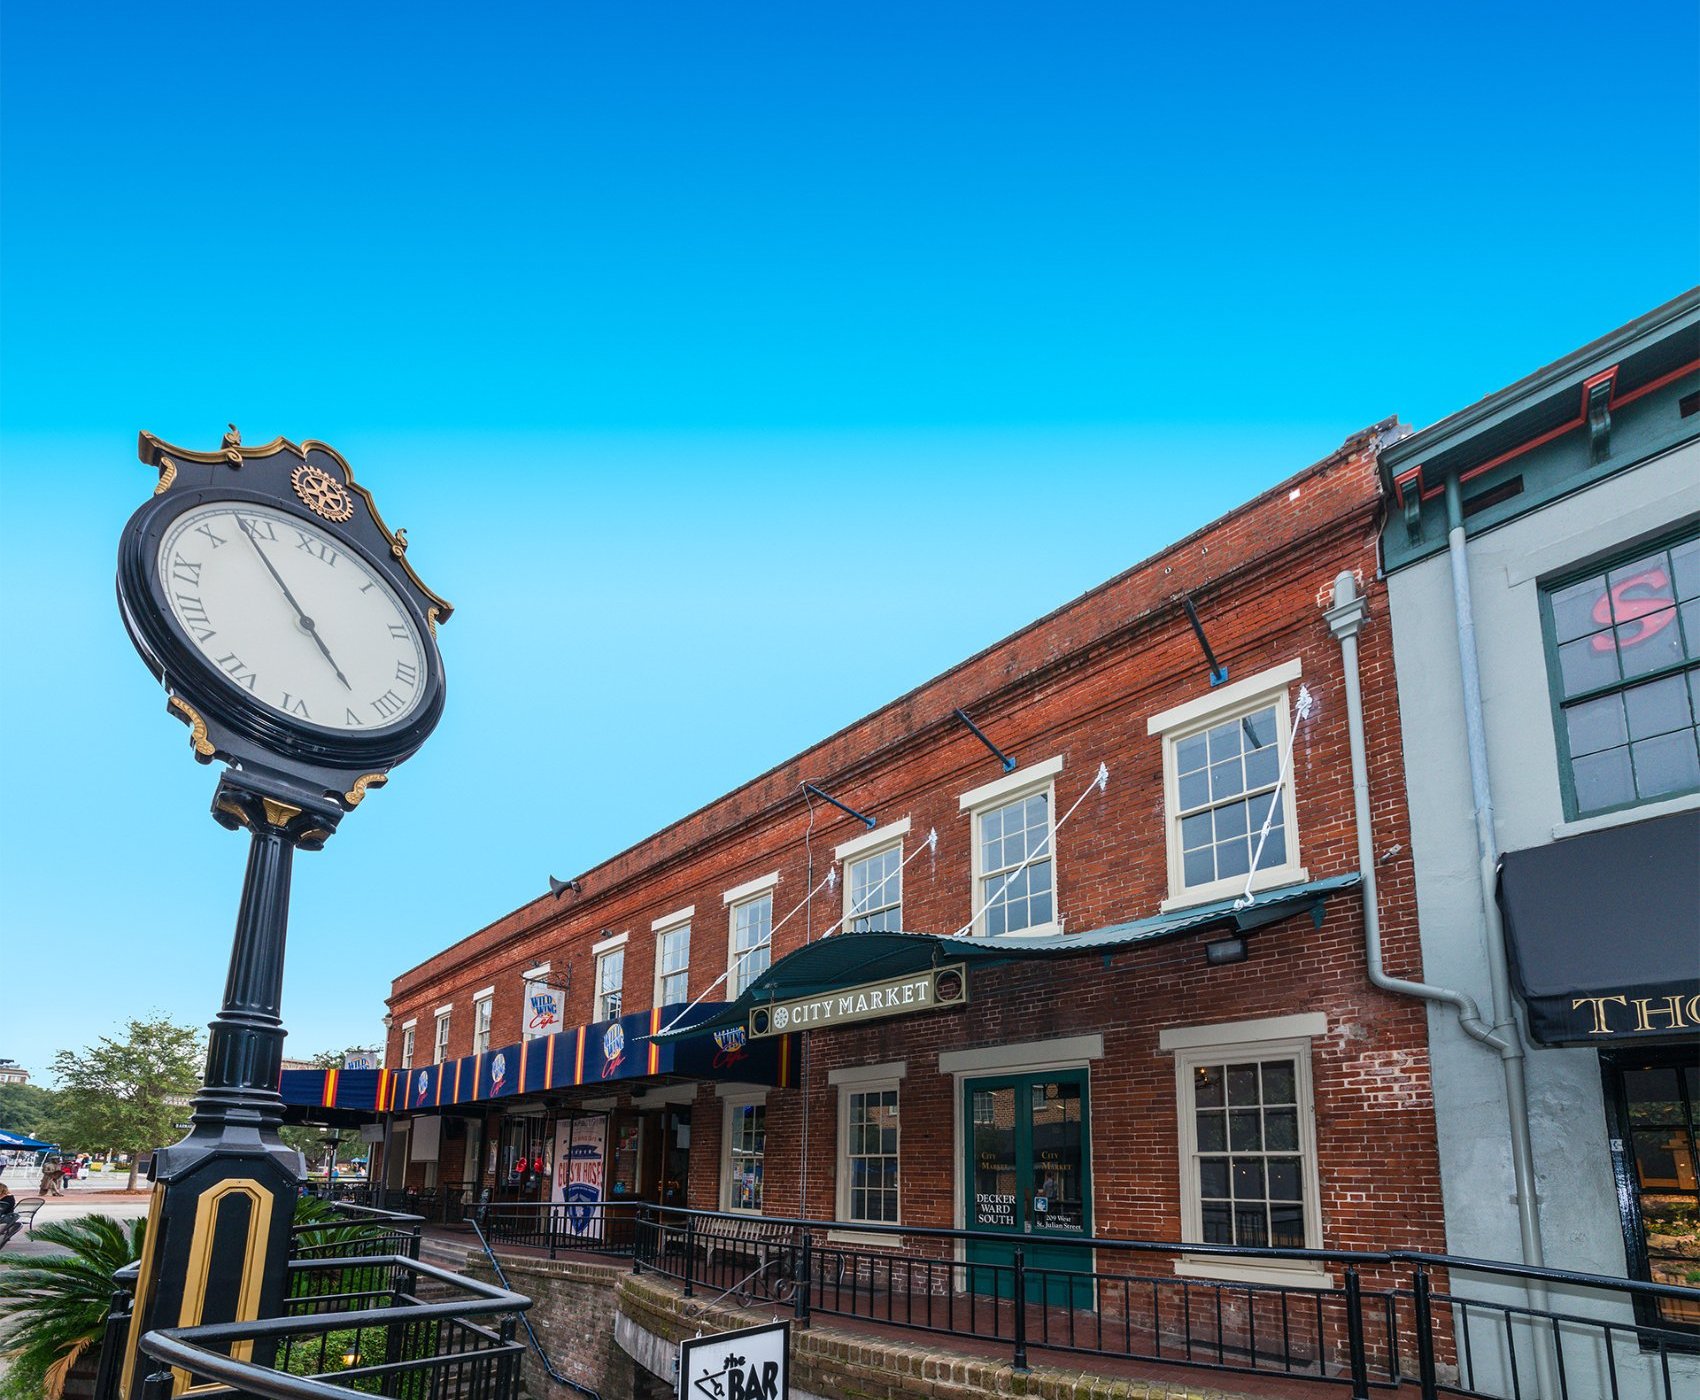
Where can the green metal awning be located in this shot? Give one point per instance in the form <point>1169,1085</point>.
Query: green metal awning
<point>850,959</point>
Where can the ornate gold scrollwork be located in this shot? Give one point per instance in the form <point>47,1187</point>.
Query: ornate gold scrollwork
<point>167,475</point>
<point>398,546</point>
<point>279,813</point>
<point>357,793</point>
<point>197,726</point>
<point>233,446</point>
<point>433,616</point>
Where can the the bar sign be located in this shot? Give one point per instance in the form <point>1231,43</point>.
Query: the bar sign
<point>934,989</point>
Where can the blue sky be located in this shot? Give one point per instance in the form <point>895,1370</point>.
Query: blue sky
<point>734,368</point>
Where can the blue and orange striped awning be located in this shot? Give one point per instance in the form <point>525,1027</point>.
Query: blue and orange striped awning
<point>602,1052</point>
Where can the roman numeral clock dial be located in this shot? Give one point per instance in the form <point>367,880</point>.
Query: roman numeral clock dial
<point>288,613</point>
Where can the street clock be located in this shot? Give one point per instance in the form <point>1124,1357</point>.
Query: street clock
<point>280,613</point>
<point>292,636</point>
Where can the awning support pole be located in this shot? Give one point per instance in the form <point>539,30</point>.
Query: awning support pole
<point>1002,757</point>
<point>848,811</point>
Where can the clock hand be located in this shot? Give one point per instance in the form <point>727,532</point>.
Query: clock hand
<point>306,622</point>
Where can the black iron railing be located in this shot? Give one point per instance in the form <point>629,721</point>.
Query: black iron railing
<point>381,1341</point>
<point>357,1320</point>
<point>1365,1320</point>
<point>600,1227</point>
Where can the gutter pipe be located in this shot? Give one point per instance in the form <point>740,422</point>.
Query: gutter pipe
<point>1487,867</point>
<point>1345,620</point>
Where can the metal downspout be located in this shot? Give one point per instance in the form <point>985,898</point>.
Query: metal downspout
<point>1345,620</point>
<point>1487,857</point>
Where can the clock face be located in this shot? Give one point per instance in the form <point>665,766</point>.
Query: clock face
<point>287,612</point>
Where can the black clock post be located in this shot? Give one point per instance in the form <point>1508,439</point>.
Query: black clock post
<point>223,1198</point>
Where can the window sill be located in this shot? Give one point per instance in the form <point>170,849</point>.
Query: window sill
<point>1232,889</point>
<point>1053,929</point>
<point>1275,1272</point>
<point>1645,812</point>
<point>864,1239</point>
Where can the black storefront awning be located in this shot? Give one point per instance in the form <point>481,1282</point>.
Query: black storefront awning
<point>1604,933</point>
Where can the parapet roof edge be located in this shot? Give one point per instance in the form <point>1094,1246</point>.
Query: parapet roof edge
<point>1370,437</point>
<point>1427,444</point>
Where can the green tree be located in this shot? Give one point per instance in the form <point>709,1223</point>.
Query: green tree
<point>25,1108</point>
<point>129,1094</point>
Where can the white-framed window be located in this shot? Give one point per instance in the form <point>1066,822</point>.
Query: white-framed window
<point>673,957</point>
<point>407,1031</point>
<point>481,1006</point>
<point>868,1138</point>
<point>873,879</point>
<point>750,921</point>
<point>743,1152</point>
<point>1247,1120</point>
<point>543,1012</point>
<point>440,1052</point>
<point>1221,780</point>
<point>1015,867</point>
<point>610,977</point>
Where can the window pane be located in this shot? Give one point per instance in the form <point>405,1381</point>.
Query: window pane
<point>1225,742</point>
<point>1603,780</point>
<point>1262,768</point>
<point>1258,731</point>
<point>1217,1219</point>
<point>1639,587</point>
<point>1199,867</point>
<point>1245,1130</point>
<point>1207,1087</point>
<point>1213,1178</point>
<point>1287,1227</point>
<point>1685,562</point>
<point>1665,765</point>
<point>1242,1084</point>
<point>1212,1132</point>
<point>1657,708</point>
<point>1194,790</point>
<point>1231,820</point>
<point>1281,1129</point>
<point>1227,779</point>
<point>1284,1179</point>
<point>1279,1082</point>
<point>1588,664</point>
<point>1248,1179</point>
<point>1580,609</point>
<point>1690,614</point>
<point>1596,725</point>
<point>1232,858</point>
<point>1190,754</point>
<point>1195,831</point>
<point>1649,643</point>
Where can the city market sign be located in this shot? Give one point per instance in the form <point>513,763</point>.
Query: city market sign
<point>871,1001</point>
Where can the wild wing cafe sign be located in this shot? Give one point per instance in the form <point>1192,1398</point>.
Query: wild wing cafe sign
<point>934,989</point>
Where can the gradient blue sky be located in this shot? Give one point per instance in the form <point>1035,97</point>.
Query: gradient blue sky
<point>734,367</point>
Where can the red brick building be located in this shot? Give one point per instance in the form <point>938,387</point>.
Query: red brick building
<point>1081,1065</point>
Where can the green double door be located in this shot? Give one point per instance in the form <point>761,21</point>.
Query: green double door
<point>1028,1176</point>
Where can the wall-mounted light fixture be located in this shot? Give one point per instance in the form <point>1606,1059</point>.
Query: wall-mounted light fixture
<point>1223,951</point>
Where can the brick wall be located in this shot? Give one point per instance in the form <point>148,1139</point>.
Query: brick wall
<point>1081,684</point>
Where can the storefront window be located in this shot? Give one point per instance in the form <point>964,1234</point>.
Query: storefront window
<point>746,1139</point>
<point>1656,1101</point>
<point>871,1153</point>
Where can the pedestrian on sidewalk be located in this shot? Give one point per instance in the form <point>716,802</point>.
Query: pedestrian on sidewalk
<point>50,1180</point>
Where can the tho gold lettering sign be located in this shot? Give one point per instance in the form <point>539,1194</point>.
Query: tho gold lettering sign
<point>1623,1014</point>
<point>934,989</point>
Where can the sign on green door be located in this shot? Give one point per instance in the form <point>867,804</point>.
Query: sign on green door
<point>1028,1175</point>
